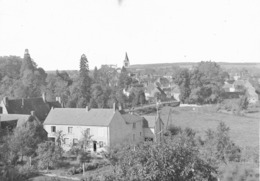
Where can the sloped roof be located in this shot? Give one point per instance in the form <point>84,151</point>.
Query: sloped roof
<point>20,118</point>
<point>150,120</point>
<point>80,117</point>
<point>131,118</point>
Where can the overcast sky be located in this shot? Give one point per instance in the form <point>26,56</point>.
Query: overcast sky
<point>58,32</point>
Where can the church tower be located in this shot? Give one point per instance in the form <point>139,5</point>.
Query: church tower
<point>126,61</point>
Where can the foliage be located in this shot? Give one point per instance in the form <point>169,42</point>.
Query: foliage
<point>48,154</point>
<point>24,141</point>
<point>203,84</point>
<point>124,80</point>
<point>243,103</point>
<point>177,158</point>
<point>219,148</point>
<point>182,79</point>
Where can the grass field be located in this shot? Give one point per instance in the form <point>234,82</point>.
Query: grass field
<point>244,130</point>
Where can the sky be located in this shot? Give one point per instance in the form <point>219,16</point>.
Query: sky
<point>58,32</point>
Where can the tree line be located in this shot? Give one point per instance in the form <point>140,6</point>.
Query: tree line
<point>100,88</point>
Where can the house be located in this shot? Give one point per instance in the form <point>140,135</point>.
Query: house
<point>39,105</point>
<point>153,128</point>
<point>229,87</point>
<point>153,91</point>
<point>11,121</point>
<point>106,127</point>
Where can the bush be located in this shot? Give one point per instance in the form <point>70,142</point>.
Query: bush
<point>72,171</point>
<point>27,171</point>
<point>9,173</point>
<point>91,166</point>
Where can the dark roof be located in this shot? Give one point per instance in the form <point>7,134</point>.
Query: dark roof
<point>80,116</point>
<point>25,106</point>
<point>131,118</point>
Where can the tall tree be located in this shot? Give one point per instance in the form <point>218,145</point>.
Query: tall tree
<point>182,79</point>
<point>80,94</point>
<point>206,82</point>
<point>27,64</point>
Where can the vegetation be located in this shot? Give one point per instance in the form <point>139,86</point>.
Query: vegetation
<point>203,84</point>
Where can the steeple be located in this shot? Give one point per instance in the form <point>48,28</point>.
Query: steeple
<point>126,61</point>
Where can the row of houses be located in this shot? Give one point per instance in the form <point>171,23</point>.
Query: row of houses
<point>105,127</point>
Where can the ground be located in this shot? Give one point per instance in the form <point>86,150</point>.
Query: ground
<point>244,130</point>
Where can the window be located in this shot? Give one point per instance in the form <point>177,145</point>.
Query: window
<point>134,126</point>
<point>100,144</point>
<point>66,141</point>
<point>88,131</point>
<point>75,141</point>
<point>148,139</point>
<point>53,129</point>
<point>133,137</point>
<point>69,129</point>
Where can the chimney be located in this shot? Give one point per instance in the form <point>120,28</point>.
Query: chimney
<point>58,99</point>
<point>44,97</point>
<point>87,108</point>
<point>32,113</point>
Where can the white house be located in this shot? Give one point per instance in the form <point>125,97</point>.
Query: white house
<point>106,126</point>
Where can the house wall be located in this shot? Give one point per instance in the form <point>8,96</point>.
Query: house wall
<point>98,134</point>
<point>122,132</point>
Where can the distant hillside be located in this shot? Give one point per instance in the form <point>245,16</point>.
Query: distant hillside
<point>225,65</point>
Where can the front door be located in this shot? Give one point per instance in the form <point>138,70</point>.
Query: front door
<point>94,146</point>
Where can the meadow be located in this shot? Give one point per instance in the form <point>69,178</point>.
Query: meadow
<point>244,130</point>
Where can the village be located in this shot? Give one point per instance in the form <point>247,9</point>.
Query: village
<point>145,111</point>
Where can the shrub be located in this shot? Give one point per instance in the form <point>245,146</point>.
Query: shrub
<point>72,171</point>
<point>27,171</point>
<point>9,173</point>
<point>91,166</point>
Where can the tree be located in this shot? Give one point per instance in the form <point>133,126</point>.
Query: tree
<point>175,158</point>
<point>95,75</point>
<point>182,79</point>
<point>27,64</point>
<point>25,138</point>
<point>84,82</point>
<point>206,82</point>
<point>48,154</point>
<point>83,158</point>
<point>124,80</point>
<point>219,148</point>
